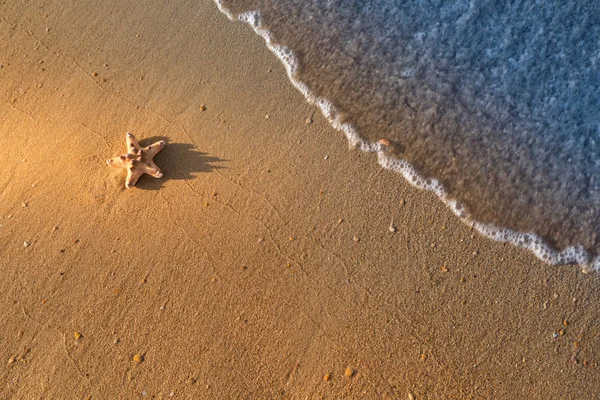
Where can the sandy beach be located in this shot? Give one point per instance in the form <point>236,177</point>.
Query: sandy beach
<point>270,262</point>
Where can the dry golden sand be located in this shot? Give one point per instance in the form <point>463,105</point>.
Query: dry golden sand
<point>190,285</point>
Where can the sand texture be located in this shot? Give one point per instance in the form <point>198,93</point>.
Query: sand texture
<point>262,265</point>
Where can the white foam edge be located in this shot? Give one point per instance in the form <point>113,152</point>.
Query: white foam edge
<point>528,240</point>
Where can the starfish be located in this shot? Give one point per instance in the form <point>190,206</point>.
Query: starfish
<point>138,161</point>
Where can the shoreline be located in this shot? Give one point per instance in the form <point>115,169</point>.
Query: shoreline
<point>247,270</point>
<point>531,241</point>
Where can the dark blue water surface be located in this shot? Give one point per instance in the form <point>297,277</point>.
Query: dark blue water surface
<point>498,100</point>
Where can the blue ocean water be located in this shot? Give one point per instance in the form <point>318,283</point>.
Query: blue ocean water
<point>492,105</point>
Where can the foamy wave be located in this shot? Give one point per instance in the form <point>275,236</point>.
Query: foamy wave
<point>571,255</point>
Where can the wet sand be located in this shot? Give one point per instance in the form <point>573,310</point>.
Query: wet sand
<point>263,261</point>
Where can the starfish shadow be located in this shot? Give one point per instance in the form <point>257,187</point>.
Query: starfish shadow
<point>177,161</point>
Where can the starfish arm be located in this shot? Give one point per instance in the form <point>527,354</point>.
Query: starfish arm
<point>133,147</point>
<point>154,148</point>
<point>133,174</point>
<point>151,169</point>
<point>116,162</point>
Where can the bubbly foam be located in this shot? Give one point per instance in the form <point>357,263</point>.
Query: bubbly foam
<point>570,255</point>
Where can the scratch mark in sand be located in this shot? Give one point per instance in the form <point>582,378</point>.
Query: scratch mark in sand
<point>22,111</point>
<point>97,134</point>
<point>268,231</point>
<point>191,238</point>
<point>43,327</point>
<point>71,358</point>
<point>236,183</point>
